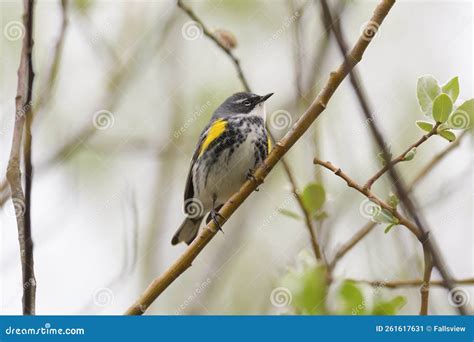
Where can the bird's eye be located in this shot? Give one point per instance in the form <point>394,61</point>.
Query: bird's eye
<point>247,103</point>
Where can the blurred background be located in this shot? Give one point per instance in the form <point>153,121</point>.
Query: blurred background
<point>135,84</point>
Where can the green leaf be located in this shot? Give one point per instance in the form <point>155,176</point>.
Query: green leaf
<point>289,213</point>
<point>448,135</point>
<point>442,107</point>
<point>425,125</point>
<point>452,88</point>
<point>390,226</point>
<point>427,89</point>
<point>352,298</point>
<point>308,289</point>
<point>463,116</point>
<point>410,155</point>
<point>390,307</point>
<point>313,197</point>
<point>393,200</point>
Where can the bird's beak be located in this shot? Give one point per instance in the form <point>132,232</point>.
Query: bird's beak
<point>264,98</point>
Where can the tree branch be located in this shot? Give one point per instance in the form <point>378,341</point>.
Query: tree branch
<point>22,205</point>
<point>371,196</point>
<point>354,240</point>
<point>369,226</point>
<point>407,202</point>
<point>401,157</point>
<point>428,262</point>
<point>408,283</point>
<point>300,127</point>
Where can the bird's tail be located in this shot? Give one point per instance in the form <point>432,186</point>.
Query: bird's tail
<point>187,231</point>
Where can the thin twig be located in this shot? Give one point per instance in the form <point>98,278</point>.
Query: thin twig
<point>21,205</point>
<point>354,240</point>
<point>409,283</point>
<point>307,217</point>
<point>371,196</point>
<point>286,166</point>
<point>369,226</point>
<point>401,157</point>
<point>301,126</point>
<point>224,48</point>
<point>407,202</point>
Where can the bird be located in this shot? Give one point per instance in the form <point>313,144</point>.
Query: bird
<point>231,146</point>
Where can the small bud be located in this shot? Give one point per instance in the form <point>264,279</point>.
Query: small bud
<point>393,200</point>
<point>410,155</point>
<point>226,38</point>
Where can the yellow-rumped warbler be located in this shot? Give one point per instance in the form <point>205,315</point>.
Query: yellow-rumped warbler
<point>230,147</point>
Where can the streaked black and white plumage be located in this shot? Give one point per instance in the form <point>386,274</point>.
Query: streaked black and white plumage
<point>234,143</point>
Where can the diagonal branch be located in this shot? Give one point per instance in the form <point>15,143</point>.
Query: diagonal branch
<point>369,226</point>
<point>22,205</point>
<point>401,157</point>
<point>371,196</point>
<point>301,126</point>
<point>408,203</point>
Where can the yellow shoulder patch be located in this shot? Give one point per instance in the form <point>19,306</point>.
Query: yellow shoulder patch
<point>214,132</point>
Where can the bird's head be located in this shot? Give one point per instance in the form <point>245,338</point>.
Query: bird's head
<point>243,103</point>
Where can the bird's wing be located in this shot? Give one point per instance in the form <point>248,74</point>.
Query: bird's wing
<point>212,131</point>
